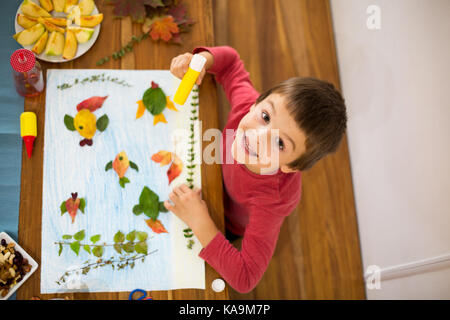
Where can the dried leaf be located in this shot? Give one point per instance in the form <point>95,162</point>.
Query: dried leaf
<point>162,157</point>
<point>92,103</point>
<point>156,226</point>
<point>175,168</point>
<point>141,109</point>
<point>163,28</point>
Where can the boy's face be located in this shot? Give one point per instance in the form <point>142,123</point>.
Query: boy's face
<point>268,137</point>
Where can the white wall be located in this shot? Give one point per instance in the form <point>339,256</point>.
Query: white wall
<point>396,82</point>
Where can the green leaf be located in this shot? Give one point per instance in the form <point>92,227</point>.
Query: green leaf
<point>131,236</point>
<point>118,248</point>
<point>149,201</point>
<point>122,181</point>
<point>128,247</point>
<point>63,207</point>
<point>134,166</point>
<point>95,238</point>
<point>119,237</point>
<point>79,235</point>
<point>141,247</point>
<point>67,237</point>
<point>137,209</point>
<point>68,121</point>
<point>82,204</point>
<point>97,251</point>
<point>60,249</point>
<point>87,248</point>
<point>161,207</point>
<point>75,246</point>
<point>108,166</point>
<point>154,100</point>
<point>142,236</point>
<point>102,122</point>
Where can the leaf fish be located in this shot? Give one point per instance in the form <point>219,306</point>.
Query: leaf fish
<point>120,165</point>
<point>72,205</point>
<point>155,101</point>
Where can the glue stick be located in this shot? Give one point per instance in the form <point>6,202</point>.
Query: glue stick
<point>28,130</point>
<point>187,83</point>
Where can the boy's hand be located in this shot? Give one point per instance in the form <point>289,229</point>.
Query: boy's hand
<point>180,64</point>
<point>189,207</point>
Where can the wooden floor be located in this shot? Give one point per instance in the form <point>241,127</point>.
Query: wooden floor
<point>318,252</point>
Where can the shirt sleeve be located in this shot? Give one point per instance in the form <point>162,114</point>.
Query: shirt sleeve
<point>229,71</point>
<point>243,269</point>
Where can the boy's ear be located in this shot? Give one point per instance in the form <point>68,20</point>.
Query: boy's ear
<point>287,169</point>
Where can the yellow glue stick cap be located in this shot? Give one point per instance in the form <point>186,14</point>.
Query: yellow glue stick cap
<point>28,124</point>
<point>187,83</point>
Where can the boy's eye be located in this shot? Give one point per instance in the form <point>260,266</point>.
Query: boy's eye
<point>280,143</point>
<point>265,117</point>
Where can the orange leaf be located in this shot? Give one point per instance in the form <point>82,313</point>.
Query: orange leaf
<point>156,226</point>
<point>170,105</point>
<point>163,29</point>
<point>159,118</point>
<point>140,110</point>
<point>175,168</point>
<point>163,157</point>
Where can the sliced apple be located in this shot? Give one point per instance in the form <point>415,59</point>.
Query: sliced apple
<point>70,46</point>
<point>30,35</point>
<point>26,22</point>
<point>82,34</point>
<point>75,14</point>
<point>40,44</point>
<point>61,22</point>
<point>55,44</point>
<point>59,5</point>
<point>50,26</point>
<point>69,4</point>
<point>86,7</point>
<point>33,10</point>
<point>91,21</point>
<point>46,4</point>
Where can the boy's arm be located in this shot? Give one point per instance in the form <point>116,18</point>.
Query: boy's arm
<point>229,71</point>
<point>243,269</point>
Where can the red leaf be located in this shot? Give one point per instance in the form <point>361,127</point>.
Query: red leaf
<point>175,168</point>
<point>92,103</point>
<point>156,226</point>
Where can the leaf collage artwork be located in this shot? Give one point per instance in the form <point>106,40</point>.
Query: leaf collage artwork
<point>117,234</point>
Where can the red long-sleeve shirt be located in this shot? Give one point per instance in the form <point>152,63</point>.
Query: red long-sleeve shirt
<point>255,205</point>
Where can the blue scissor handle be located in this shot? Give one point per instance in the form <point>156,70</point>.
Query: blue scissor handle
<point>142,297</point>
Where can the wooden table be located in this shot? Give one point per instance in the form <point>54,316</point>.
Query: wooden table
<point>146,55</point>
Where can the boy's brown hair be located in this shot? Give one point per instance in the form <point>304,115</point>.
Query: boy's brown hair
<point>319,110</point>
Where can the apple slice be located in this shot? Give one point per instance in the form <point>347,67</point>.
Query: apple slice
<point>82,34</point>
<point>86,7</point>
<point>55,44</point>
<point>46,4</point>
<point>61,22</point>
<point>40,44</point>
<point>26,22</point>
<point>70,46</point>
<point>58,5</point>
<point>50,26</point>
<point>69,4</point>
<point>33,10</point>
<point>29,36</point>
<point>75,14</point>
<point>91,21</point>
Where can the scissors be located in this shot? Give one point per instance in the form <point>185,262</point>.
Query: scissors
<point>143,295</point>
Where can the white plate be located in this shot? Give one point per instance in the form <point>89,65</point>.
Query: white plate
<point>34,265</point>
<point>82,47</point>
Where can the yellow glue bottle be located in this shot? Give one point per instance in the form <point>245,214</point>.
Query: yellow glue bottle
<point>28,130</point>
<point>187,83</point>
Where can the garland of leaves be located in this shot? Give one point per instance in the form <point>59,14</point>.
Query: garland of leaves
<point>94,78</point>
<point>191,156</point>
<point>136,242</point>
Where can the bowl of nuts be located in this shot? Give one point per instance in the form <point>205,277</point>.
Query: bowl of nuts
<point>16,266</point>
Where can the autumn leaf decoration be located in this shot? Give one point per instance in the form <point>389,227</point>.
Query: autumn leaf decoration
<point>150,205</point>
<point>166,157</point>
<point>120,165</point>
<point>72,205</point>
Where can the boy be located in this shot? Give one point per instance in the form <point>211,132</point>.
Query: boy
<point>296,123</point>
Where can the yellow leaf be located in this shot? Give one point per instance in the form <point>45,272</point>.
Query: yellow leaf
<point>159,118</point>
<point>140,110</point>
<point>170,104</point>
